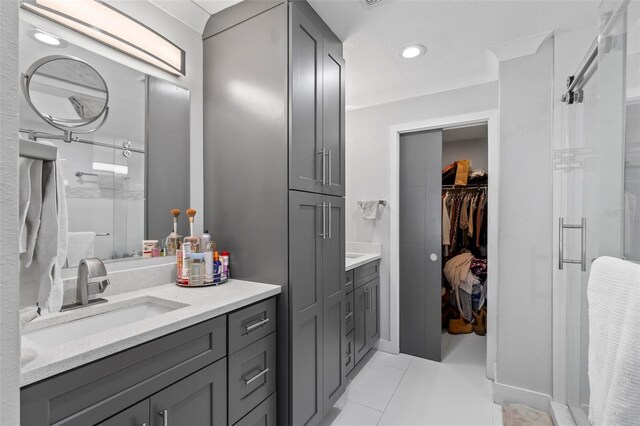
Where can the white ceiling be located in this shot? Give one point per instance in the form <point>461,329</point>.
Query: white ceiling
<point>457,34</point>
<point>194,13</point>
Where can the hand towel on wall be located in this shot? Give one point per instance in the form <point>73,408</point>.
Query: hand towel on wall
<point>369,209</point>
<point>613,293</point>
<point>42,273</point>
<point>33,209</point>
<point>24,195</point>
<point>81,245</point>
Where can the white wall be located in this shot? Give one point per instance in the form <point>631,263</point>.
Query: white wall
<point>182,35</point>
<point>524,358</point>
<point>367,156</point>
<point>9,294</point>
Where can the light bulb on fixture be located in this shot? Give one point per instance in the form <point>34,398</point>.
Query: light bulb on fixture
<point>413,51</point>
<point>46,38</point>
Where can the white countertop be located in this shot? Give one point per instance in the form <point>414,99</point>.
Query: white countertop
<point>354,260</point>
<point>201,304</point>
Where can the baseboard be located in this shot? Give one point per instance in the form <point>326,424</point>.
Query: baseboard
<point>561,415</point>
<point>386,346</point>
<point>505,394</point>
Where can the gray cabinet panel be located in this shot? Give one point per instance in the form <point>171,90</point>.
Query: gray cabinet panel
<point>420,236</point>
<point>349,319</point>
<point>306,155</point>
<point>199,399</point>
<point>252,376</point>
<point>167,156</point>
<point>245,145</point>
<point>264,414</point>
<point>372,312</point>
<point>365,273</point>
<point>305,283</point>
<point>333,304</point>
<point>333,116</point>
<point>360,336</point>
<point>251,324</point>
<point>349,353</point>
<point>138,415</point>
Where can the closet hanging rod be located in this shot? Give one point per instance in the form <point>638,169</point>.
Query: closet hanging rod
<point>478,185</point>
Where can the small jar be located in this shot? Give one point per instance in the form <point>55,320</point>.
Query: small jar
<point>196,269</point>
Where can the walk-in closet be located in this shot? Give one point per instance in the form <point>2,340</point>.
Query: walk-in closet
<point>444,199</point>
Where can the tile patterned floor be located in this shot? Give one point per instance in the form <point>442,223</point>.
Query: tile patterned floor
<point>402,390</point>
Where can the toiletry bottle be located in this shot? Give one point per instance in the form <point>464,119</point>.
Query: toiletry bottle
<point>208,262</point>
<point>217,268</point>
<point>196,269</point>
<point>224,259</point>
<point>174,240</point>
<point>190,244</point>
<point>205,239</point>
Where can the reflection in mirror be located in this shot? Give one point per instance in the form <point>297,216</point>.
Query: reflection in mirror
<point>105,172</point>
<point>66,91</point>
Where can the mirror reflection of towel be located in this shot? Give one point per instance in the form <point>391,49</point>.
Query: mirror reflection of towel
<point>85,107</point>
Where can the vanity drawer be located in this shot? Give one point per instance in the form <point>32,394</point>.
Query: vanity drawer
<point>349,322</point>
<point>366,273</point>
<point>93,392</point>
<point>264,414</point>
<point>348,284</point>
<point>251,324</point>
<point>349,353</point>
<point>252,376</point>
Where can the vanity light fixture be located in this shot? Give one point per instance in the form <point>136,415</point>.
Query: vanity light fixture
<point>413,51</point>
<point>109,26</point>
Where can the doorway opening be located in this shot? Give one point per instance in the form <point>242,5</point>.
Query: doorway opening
<point>443,198</point>
<point>433,189</point>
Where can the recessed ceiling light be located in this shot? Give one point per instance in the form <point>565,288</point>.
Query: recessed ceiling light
<point>46,38</point>
<point>413,51</point>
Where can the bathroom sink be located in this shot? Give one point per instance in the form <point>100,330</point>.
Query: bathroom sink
<point>99,319</point>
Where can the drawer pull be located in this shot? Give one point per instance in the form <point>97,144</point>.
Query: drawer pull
<point>348,283</point>
<point>256,325</point>
<point>165,417</point>
<point>144,424</point>
<point>349,315</point>
<point>256,377</point>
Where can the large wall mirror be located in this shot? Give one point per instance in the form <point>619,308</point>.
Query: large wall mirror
<point>130,167</point>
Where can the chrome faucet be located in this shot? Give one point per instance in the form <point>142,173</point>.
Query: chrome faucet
<point>92,279</point>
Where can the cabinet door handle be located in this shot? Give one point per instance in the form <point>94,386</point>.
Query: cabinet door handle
<point>329,153</point>
<point>256,325</point>
<point>349,315</point>
<point>329,214</point>
<point>256,377</point>
<point>366,299</point>
<point>324,228</point>
<point>144,424</point>
<point>165,417</point>
<point>323,155</point>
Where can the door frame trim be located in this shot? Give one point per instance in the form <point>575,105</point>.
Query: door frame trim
<point>491,118</point>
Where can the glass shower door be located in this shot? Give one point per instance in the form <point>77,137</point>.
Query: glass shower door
<point>594,198</point>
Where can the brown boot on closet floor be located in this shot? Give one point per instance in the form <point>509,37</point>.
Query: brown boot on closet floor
<point>480,324</point>
<point>459,326</point>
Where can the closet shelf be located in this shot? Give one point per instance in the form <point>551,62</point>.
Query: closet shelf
<point>477,185</point>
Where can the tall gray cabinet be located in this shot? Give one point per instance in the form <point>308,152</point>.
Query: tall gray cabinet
<point>274,181</point>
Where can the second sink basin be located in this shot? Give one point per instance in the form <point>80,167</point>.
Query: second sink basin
<point>98,319</point>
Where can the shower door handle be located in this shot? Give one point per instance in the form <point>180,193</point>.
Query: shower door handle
<point>583,244</point>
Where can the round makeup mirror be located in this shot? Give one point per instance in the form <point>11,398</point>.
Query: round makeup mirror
<point>67,93</point>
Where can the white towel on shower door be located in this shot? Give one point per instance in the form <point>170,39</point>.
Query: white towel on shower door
<point>613,294</point>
